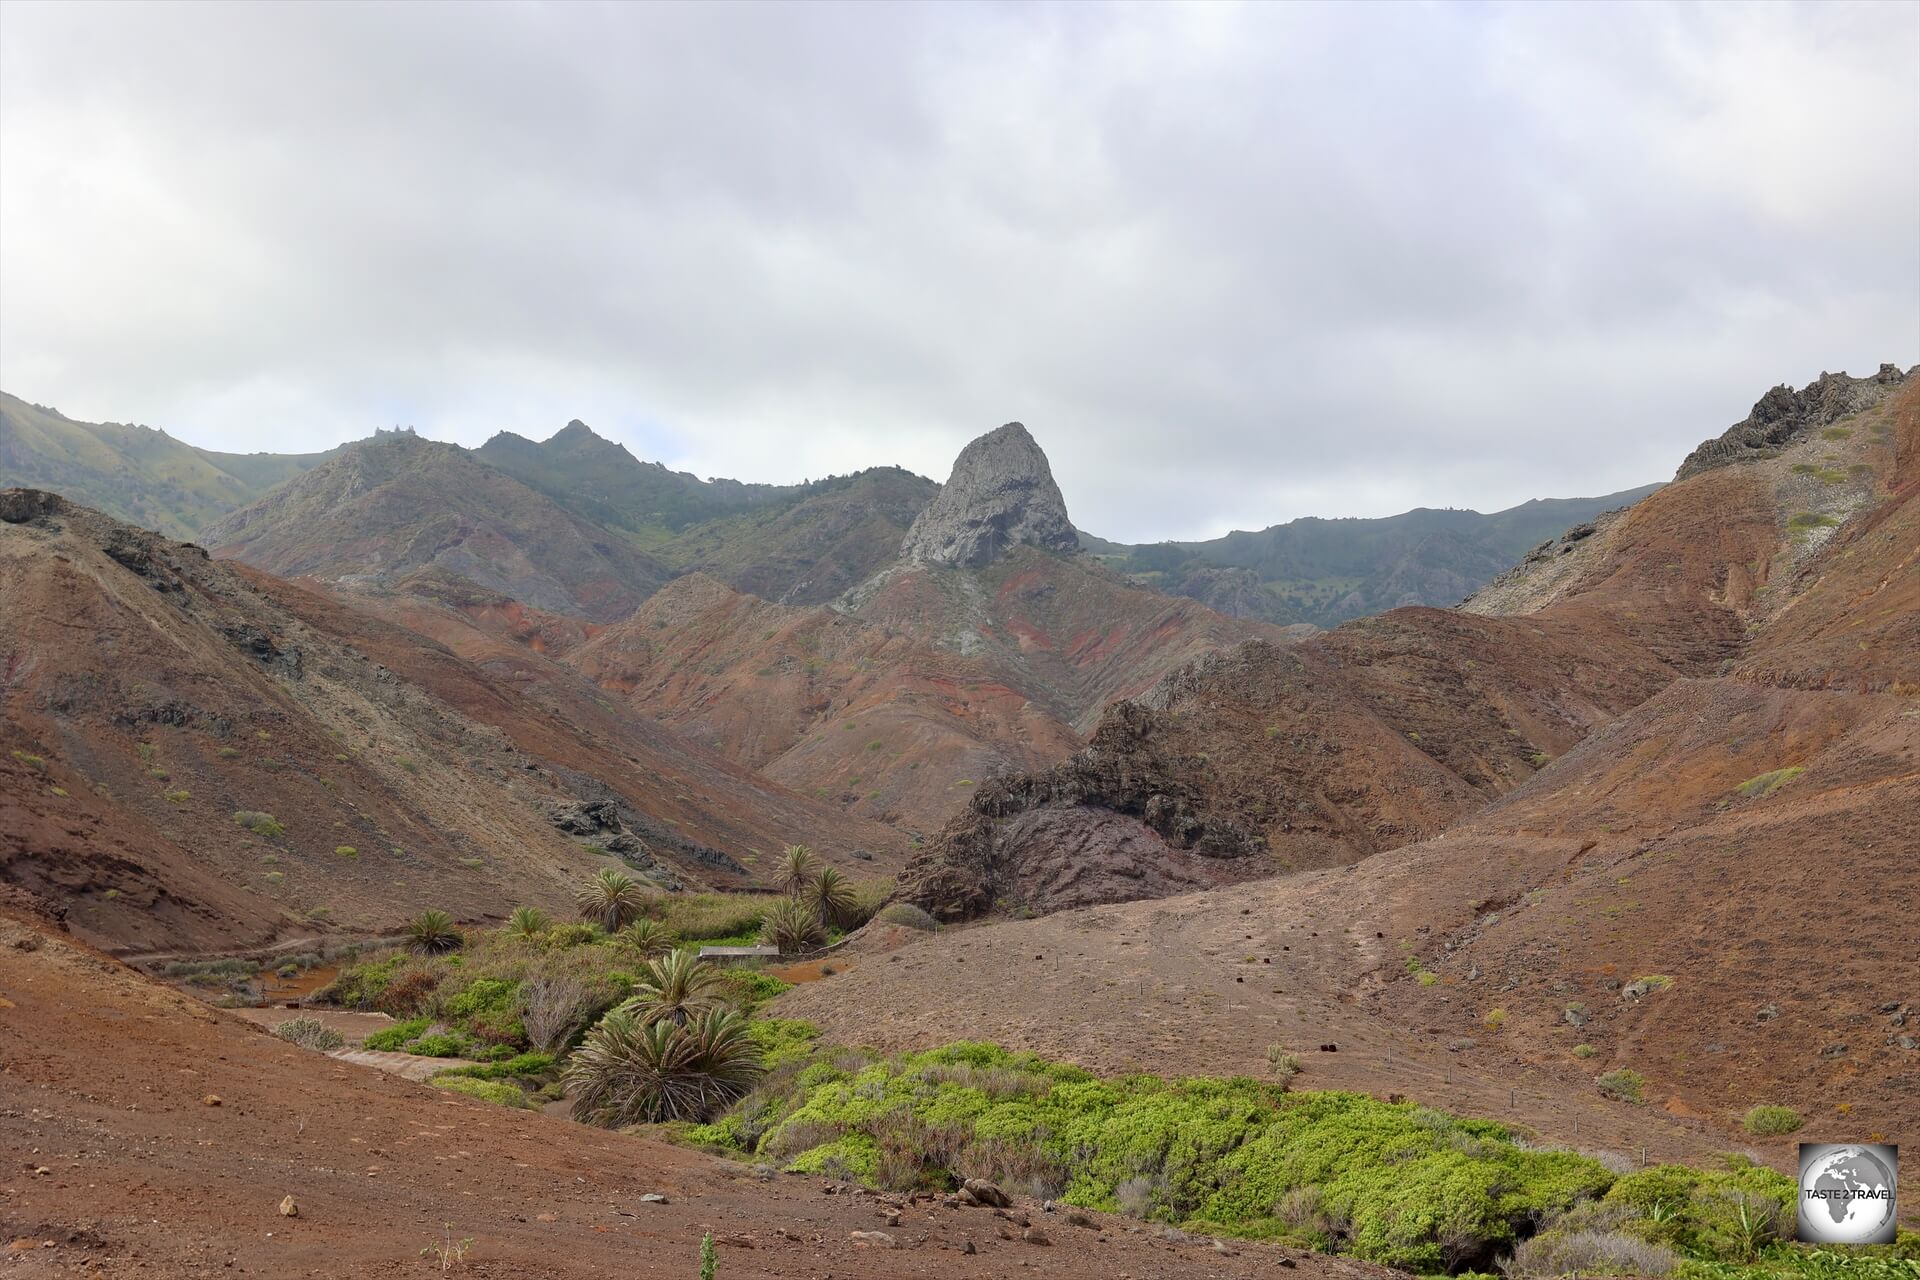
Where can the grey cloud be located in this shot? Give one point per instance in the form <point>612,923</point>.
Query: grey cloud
<point>1231,265</point>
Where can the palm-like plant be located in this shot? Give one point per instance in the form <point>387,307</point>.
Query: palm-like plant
<point>526,922</point>
<point>677,987</point>
<point>649,937</point>
<point>796,869</point>
<point>612,900</point>
<point>792,925</point>
<point>432,933</point>
<point>629,1071</point>
<point>833,897</point>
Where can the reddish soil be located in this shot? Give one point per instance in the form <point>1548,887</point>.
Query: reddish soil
<point>121,1168</point>
<point>1746,832</point>
<point>403,776</point>
<point>929,683</point>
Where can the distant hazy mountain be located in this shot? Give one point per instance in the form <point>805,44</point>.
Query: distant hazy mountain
<point>1327,571</point>
<point>599,479</point>
<point>138,474</point>
<point>576,523</point>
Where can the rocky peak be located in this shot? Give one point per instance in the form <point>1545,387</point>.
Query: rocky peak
<point>1001,495</point>
<point>1784,413</point>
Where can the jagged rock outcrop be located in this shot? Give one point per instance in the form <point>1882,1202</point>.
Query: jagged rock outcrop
<point>1784,413</point>
<point>1001,495</point>
<point>1121,819</point>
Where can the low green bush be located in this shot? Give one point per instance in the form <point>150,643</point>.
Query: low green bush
<point>1772,1121</point>
<point>440,1044</point>
<point>1419,1189</point>
<point>394,1038</point>
<point>1622,1085</point>
<point>525,1064</point>
<point>908,915</point>
<point>309,1033</point>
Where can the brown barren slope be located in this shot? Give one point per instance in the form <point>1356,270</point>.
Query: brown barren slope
<point>153,693</point>
<point>915,689</point>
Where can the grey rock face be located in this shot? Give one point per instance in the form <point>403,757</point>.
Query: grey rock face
<point>1784,413</point>
<point>1001,495</point>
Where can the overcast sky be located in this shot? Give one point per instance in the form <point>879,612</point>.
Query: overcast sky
<point>1230,265</point>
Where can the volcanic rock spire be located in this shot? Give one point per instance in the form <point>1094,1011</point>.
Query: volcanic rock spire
<point>1001,495</point>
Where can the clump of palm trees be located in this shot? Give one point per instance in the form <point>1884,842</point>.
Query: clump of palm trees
<point>818,898</point>
<point>675,1050</point>
<point>634,1070</point>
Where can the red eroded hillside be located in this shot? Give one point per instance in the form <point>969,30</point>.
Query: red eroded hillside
<point>919,687</point>
<point>198,755</point>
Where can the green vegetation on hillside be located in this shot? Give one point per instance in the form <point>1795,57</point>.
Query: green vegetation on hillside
<point>1327,571</point>
<point>638,1034</point>
<point>133,473</point>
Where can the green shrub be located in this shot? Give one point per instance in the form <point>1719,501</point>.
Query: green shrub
<point>309,1033</point>
<point>907,915</point>
<point>443,1044</point>
<point>500,1092</point>
<point>260,824</point>
<point>180,796</point>
<point>394,1038</point>
<point>1284,1065</point>
<point>345,851</point>
<point>1771,1121</point>
<point>1583,1051</point>
<point>1414,1188</point>
<point>33,762</point>
<point>1622,1085</point>
<point>1708,1213</point>
<point>520,1065</point>
<point>751,987</point>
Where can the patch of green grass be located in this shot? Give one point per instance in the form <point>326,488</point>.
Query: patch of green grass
<point>1584,1051</point>
<point>1766,784</point>
<point>1836,433</point>
<point>30,760</point>
<point>500,1092</point>
<point>178,796</point>
<point>1803,520</point>
<point>228,753</point>
<point>408,763</point>
<point>472,864</point>
<point>345,851</point>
